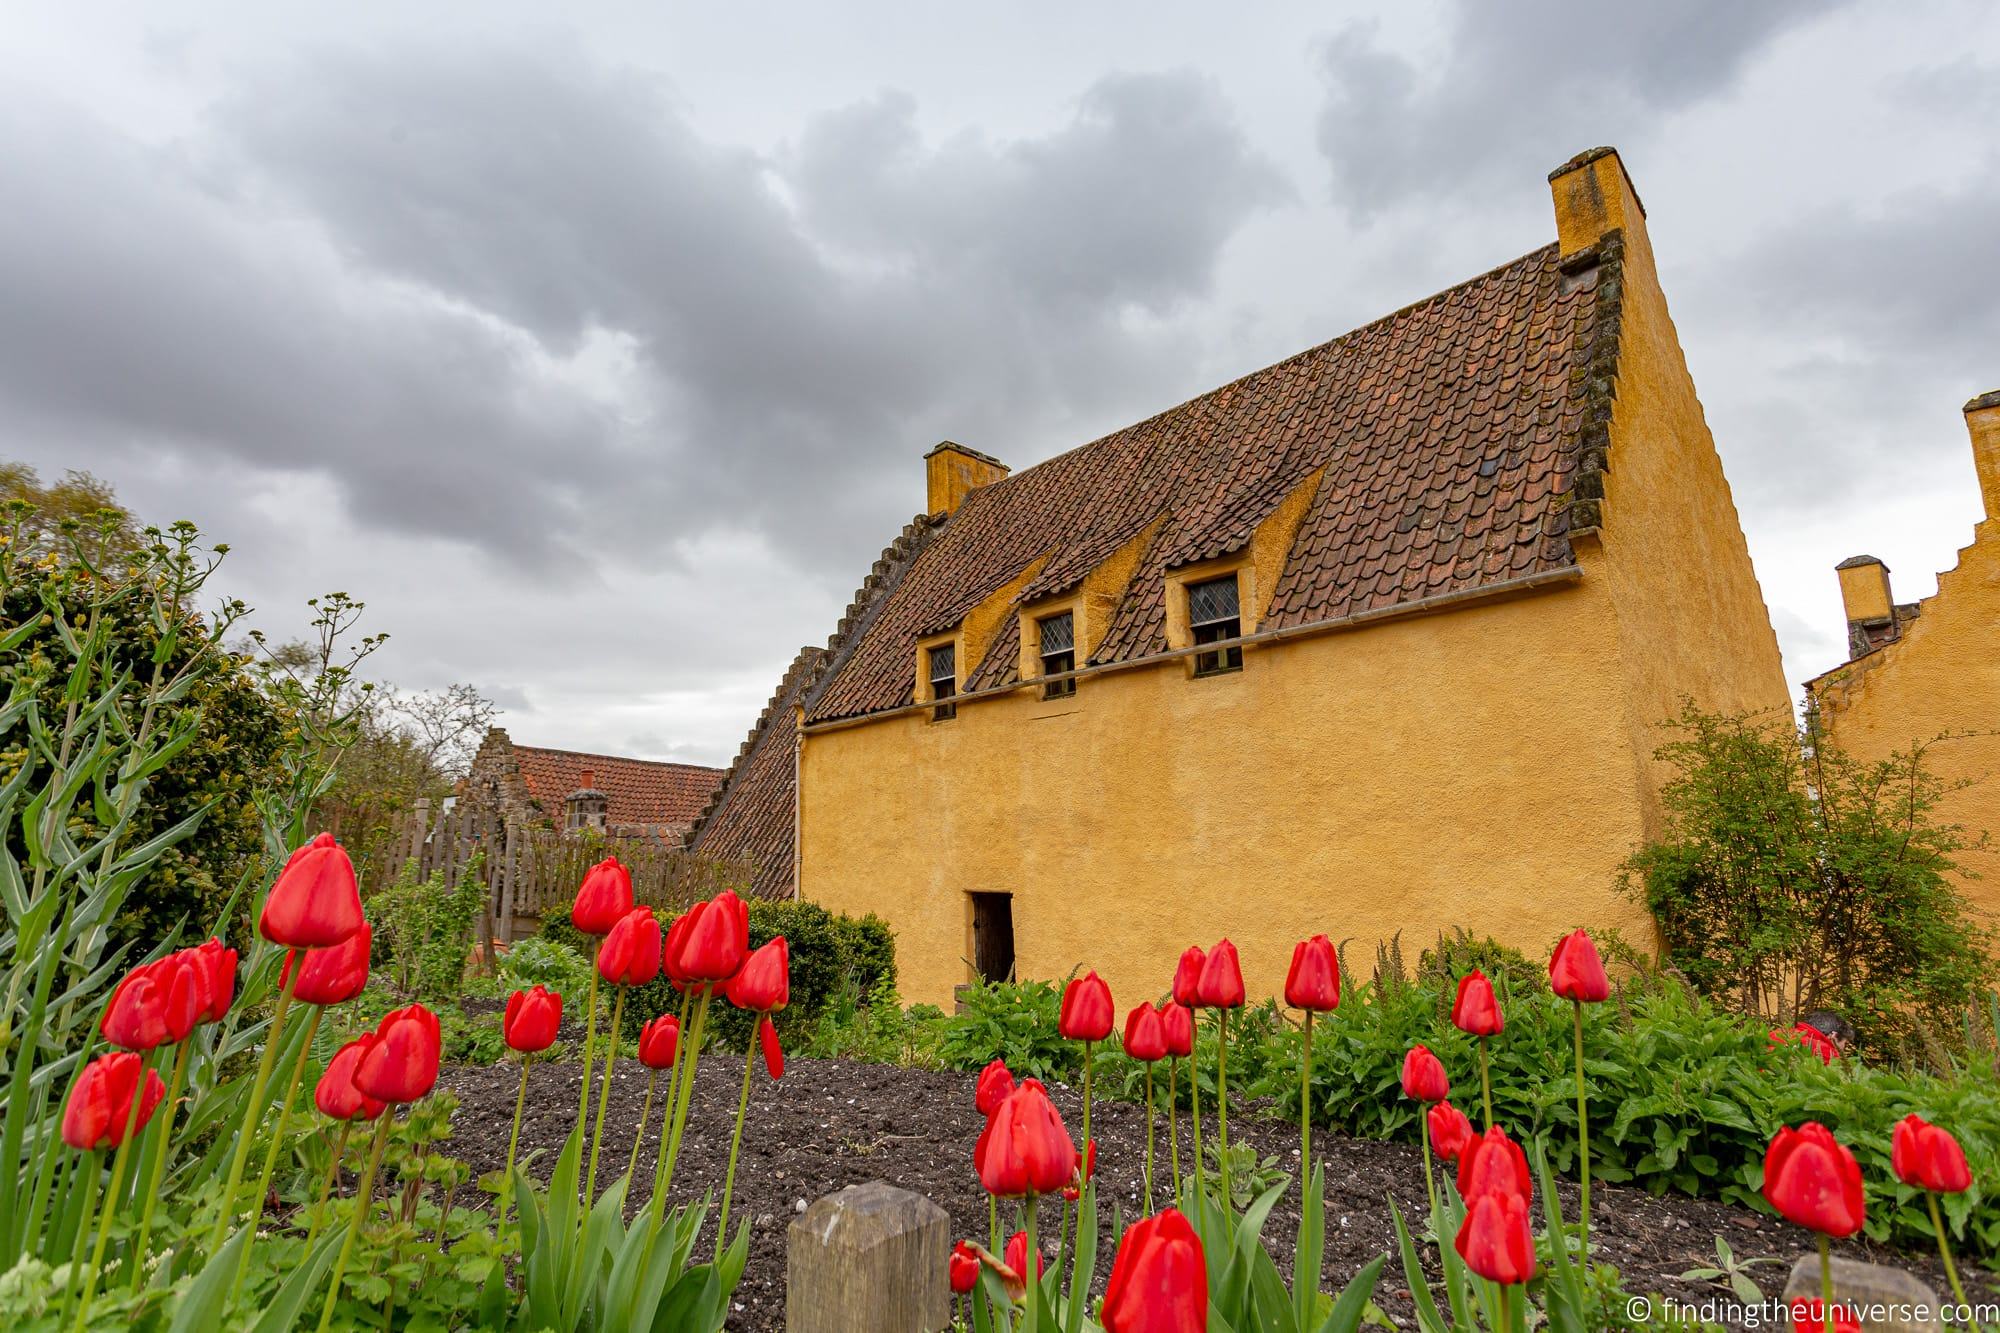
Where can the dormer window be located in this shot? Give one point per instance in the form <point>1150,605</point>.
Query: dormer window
<point>1214,615</point>
<point>943,660</point>
<point>1058,652</point>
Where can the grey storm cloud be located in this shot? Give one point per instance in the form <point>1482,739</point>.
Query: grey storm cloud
<point>1520,86</point>
<point>406,269</point>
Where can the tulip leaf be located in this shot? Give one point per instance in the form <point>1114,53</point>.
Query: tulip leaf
<point>1310,1251</point>
<point>1413,1277</point>
<point>299,1286</point>
<point>200,1308</point>
<point>1352,1304</point>
<point>1085,1259</point>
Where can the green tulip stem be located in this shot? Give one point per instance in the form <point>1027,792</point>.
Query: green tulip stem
<point>1825,1282</point>
<point>1028,1261</point>
<point>1149,1137</point>
<point>645,1114</point>
<point>1305,1103</point>
<point>604,1095</point>
<point>1174,1126</point>
<point>993,1223</point>
<point>160,1145</point>
<point>1582,1134</point>
<point>91,1170</point>
<point>589,1033</point>
<point>673,1088</point>
<point>276,1143</point>
<point>514,1143</point>
<point>364,1195</point>
<point>1430,1178</point>
<point>1944,1252</point>
<point>691,1062</point>
<point>1222,1101</point>
<point>735,1144</point>
<point>112,1195</point>
<point>253,1109</point>
<point>1485,1084</point>
<point>1194,1094</point>
<point>1504,1321</point>
<point>326,1185</point>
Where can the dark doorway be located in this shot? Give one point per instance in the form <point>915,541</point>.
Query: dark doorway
<point>993,935</point>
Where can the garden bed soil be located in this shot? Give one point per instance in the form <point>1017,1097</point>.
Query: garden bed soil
<point>833,1123</point>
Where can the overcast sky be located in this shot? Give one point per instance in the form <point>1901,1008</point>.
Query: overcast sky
<point>596,346</point>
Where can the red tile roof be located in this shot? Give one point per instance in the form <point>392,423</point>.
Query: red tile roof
<point>640,793</point>
<point>1449,437</point>
<point>751,817</point>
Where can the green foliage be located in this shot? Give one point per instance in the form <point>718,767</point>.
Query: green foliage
<point>425,926</point>
<point>1793,878</point>
<point>830,954</point>
<point>1013,1021</point>
<point>877,1029</point>
<point>1245,1291</point>
<point>542,961</point>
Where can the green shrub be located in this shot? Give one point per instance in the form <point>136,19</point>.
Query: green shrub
<point>829,952</point>
<point>1014,1021</point>
<point>541,961</point>
<point>424,927</point>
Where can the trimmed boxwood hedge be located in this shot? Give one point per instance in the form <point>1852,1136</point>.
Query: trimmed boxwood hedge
<point>830,954</point>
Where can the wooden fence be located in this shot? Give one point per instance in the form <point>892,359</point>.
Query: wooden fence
<point>529,869</point>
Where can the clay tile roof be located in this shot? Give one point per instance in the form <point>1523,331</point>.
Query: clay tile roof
<point>640,793</point>
<point>1447,438</point>
<point>750,818</point>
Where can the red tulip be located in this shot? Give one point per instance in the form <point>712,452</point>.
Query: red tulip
<point>1025,1149</point>
<point>1808,1036</point>
<point>218,970</point>
<point>1927,1156</point>
<point>1016,1256</point>
<point>1423,1076</point>
<point>774,1054</point>
<point>1492,1163</point>
<point>336,1096</point>
<point>1145,1036</point>
<point>532,1020</point>
<point>1809,1316</point>
<point>603,898</point>
<point>1576,972</point>
<point>402,1064</point>
<point>717,939</point>
<point>963,1267</point>
<point>1221,984</point>
<point>156,1003</point>
<point>765,982</point>
<point>1087,1013</point>
<point>1313,984</point>
<point>1450,1131</point>
<point>1814,1181</point>
<point>1475,1010</point>
<point>1159,1281</point>
<point>630,954</point>
<point>333,975</point>
<point>1086,1168</point>
<point>1495,1241</point>
<point>1177,1027</point>
<point>1187,977</point>
<point>670,951</point>
<point>993,1086</point>
<point>100,1101</point>
<point>315,901</point>
<point>660,1042</point>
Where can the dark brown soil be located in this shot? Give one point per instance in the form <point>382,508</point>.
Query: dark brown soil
<point>833,1123</point>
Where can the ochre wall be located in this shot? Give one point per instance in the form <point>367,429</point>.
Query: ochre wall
<point>1942,676</point>
<point>1691,616</point>
<point>1414,775</point>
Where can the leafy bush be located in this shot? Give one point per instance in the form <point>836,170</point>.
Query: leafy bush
<point>426,927</point>
<point>877,1029</point>
<point>541,961</point>
<point>1014,1021</point>
<point>829,953</point>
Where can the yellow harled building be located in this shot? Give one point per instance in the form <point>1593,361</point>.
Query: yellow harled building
<point>1374,640</point>
<point>1929,671</point>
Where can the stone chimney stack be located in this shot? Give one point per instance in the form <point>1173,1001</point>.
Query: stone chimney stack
<point>1594,197</point>
<point>586,807</point>
<point>1871,609</point>
<point>952,472</point>
<point>1982,419</point>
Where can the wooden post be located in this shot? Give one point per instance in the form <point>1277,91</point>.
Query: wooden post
<point>509,865</point>
<point>868,1259</point>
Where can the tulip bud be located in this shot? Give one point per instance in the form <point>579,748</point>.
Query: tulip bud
<point>100,1101</point>
<point>765,982</point>
<point>1016,1257</point>
<point>1145,1038</point>
<point>1927,1156</point>
<point>963,1268</point>
<point>1087,1013</point>
<point>1811,1179</point>
<point>1187,977</point>
<point>1221,985</point>
<point>1423,1076</point>
<point>218,969</point>
<point>774,1054</point>
<point>1493,1162</point>
<point>660,1042</point>
<point>603,898</point>
<point>335,1095</point>
<point>993,1086</point>
<point>1495,1240</point>
<point>1576,972</point>
<point>1177,1029</point>
<point>1025,1149</point>
<point>402,1064</point>
<point>333,975</point>
<point>155,1004</point>
<point>1313,983</point>
<point>630,955</point>
<point>1476,1011</point>
<point>315,901</point>
<point>532,1020</point>
<point>717,939</point>
<point>1450,1131</point>
<point>1159,1281</point>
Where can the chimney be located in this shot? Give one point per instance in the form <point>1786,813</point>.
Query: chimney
<point>1593,196</point>
<point>586,807</point>
<point>952,472</point>
<point>1982,419</point>
<point>1871,610</point>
